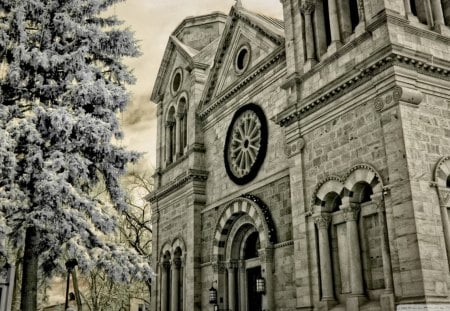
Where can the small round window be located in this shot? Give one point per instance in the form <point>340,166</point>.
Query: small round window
<point>176,81</point>
<point>242,59</point>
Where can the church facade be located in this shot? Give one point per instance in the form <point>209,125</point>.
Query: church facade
<point>304,164</point>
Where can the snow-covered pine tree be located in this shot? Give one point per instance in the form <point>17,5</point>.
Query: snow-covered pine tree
<point>62,84</point>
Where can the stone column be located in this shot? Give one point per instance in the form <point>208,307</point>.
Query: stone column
<point>351,215</point>
<point>438,14</point>
<point>169,144</point>
<point>178,135</point>
<point>266,258</point>
<point>319,30</point>
<point>444,196</point>
<point>175,292</point>
<point>231,267</point>
<point>386,254</point>
<point>326,273</point>
<point>334,21</point>
<point>307,9</point>
<point>165,268</point>
<point>429,13</point>
<point>242,286</point>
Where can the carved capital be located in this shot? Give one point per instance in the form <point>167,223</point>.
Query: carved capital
<point>266,255</point>
<point>218,267</point>
<point>176,263</point>
<point>351,213</point>
<point>307,7</point>
<point>444,196</point>
<point>322,220</point>
<point>170,123</point>
<point>231,264</point>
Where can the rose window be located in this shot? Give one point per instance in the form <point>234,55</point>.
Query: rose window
<point>246,144</point>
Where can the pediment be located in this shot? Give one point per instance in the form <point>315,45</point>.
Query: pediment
<point>247,49</point>
<point>260,36</point>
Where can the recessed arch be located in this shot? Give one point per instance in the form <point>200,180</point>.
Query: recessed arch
<point>179,243</point>
<point>331,184</point>
<point>363,173</point>
<point>442,172</point>
<point>260,216</point>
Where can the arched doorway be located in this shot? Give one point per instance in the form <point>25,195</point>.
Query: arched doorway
<point>242,255</point>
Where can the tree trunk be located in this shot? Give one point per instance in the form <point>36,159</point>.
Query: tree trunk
<point>30,271</point>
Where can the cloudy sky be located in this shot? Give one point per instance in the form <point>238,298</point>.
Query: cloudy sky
<point>153,21</point>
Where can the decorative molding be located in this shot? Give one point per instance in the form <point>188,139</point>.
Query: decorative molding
<point>284,244</point>
<point>395,95</point>
<point>323,97</point>
<point>180,181</point>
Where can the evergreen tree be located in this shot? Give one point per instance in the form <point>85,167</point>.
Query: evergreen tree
<point>61,86</point>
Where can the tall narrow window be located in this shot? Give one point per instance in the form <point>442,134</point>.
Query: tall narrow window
<point>182,118</point>
<point>170,136</point>
<point>326,15</point>
<point>354,14</point>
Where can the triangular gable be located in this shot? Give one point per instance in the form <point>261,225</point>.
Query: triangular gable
<point>173,45</point>
<point>240,29</point>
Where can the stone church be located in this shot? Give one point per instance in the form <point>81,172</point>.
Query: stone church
<point>304,163</point>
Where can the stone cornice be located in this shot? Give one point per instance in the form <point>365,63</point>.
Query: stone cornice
<point>236,87</point>
<point>177,183</point>
<point>324,96</point>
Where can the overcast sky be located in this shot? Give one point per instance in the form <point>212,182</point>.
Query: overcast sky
<point>153,21</point>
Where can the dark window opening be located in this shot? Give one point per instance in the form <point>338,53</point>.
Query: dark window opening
<point>354,14</point>
<point>327,22</point>
<point>242,59</point>
<point>413,7</point>
<point>176,83</point>
<point>252,246</point>
<point>448,182</point>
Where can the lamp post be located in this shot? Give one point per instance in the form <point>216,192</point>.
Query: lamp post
<point>260,285</point>
<point>213,296</point>
<point>70,265</point>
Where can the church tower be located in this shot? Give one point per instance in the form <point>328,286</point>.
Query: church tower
<point>304,164</point>
<point>366,127</point>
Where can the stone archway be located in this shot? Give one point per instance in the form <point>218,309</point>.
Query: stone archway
<point>242,251</point>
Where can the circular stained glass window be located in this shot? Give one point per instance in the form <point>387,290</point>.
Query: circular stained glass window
<point>246,144</point>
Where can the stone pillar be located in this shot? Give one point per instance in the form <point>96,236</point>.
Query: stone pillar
<point>429,13</point>
<point>387,298</point>
<point>385,252</point>
<point>175,292</point>
<point>266,258</point>
<point>178,135</point>
<point>242,285</point>
<point>169,143</point>
<point>351,215</point>
<point>307,9</point>
<point>438,14</point>
<point>231,267</point>
<point>319,30</point>
<point>444,195</point>
<point>334,25</point>
<point>345,20</point>
<point>165,268</point>
<point>326,273</point>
